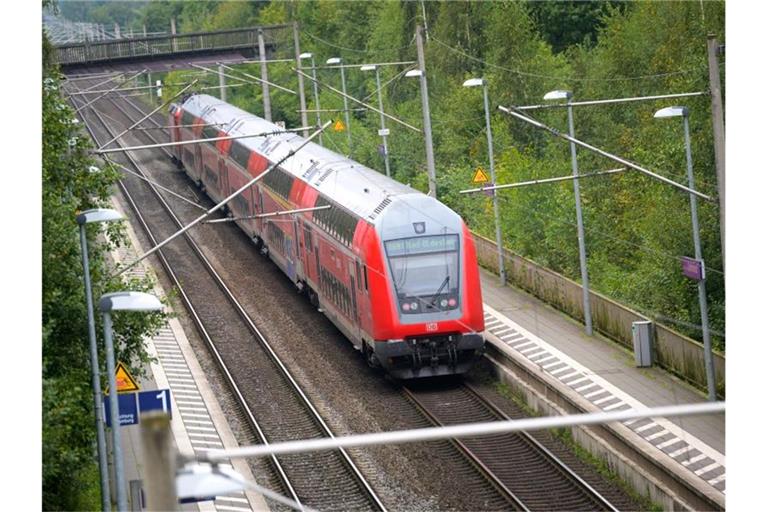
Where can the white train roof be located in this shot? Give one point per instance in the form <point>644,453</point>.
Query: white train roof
<point>354,186</point>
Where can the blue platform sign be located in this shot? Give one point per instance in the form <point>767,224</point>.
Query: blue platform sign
<point>155,400</point>
<point>127,409</point>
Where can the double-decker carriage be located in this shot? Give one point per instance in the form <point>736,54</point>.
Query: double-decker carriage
<point>394,269</point>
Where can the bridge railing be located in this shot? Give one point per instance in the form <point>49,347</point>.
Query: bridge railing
<point>88,52</point>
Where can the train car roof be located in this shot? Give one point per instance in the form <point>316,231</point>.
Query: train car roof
<point>358,188</point>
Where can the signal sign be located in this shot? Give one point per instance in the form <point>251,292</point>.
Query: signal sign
<point>480,176</point>
<point>338,126</point>
<point>125,382</point>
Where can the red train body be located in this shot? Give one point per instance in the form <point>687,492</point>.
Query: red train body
<point>393,269</point>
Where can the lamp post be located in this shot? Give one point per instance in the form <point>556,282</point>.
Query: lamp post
<point>427,130</point>
<point>566,95</point>
<point>335,61</point>
<point>383,131</point>
<point>120,301</point>
<point>86,217</point>
<point>708,363</point>
<point>314,90</point>
<point>476,82</point>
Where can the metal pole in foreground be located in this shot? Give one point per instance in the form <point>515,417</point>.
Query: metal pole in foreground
<point>580,229</point>
<point>702,284</point>
<point>425,114</point>
<point>157,444</point>
<point>264,77</point>
<point>101,444</point>
<point>117,447</point>
<point>120,301</point>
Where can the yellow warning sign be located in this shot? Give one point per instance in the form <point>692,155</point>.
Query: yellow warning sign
<point>480,176</point>
<point>338,126</point>
<point>125,382</point>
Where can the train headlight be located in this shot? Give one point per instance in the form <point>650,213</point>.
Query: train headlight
<point>406,306</point>
<point>452,302</point>
<point>414,306</point>
<point>443,303</point>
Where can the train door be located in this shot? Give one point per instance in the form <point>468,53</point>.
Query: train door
<point>298,245</point>
<point>224,182</point>
<point>196,171</point>
<point>353,294</point>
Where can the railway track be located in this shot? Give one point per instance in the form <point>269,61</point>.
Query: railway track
<point>274,404</point>
<point>522,474</point>
<point>521,468</point>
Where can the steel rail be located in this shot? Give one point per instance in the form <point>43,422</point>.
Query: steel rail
<point>464,450</point>
<point>267,347</point>
<point>546,452</point>
<point>229,378</point>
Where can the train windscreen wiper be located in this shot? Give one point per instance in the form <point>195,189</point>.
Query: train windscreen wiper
<point>445,283</point>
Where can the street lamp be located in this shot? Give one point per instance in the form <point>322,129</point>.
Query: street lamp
<point>427,129</point>
<point>314,90</point>
<point>566,95</point>
<point>337,61</point>
<point>709,366</point>
<point>109,302</point>
<point>476,82</point>
<point>86,217</point>
<point>383,131</point>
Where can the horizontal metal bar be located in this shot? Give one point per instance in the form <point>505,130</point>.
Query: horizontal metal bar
<point>259,80</point>
<point>599,151</point>
<point>615,100</point>
<point>339,66</point>
<point>265,215</point>
<point>543,180</point>
<point>168,127</point>
<point>332,110</point>
<point>459,431</point>
<point>118,90</point>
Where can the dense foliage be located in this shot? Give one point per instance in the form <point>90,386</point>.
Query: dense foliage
<point>637,228</point>
<point>70,185</point>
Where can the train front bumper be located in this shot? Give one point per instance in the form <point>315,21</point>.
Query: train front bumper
<point>429,356</point>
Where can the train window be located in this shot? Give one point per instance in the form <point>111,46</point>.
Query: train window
<point>240,154</point>
<point>279,182</point>
<point>210,132</point>
<point>337,221</point>
<point>187,118</point>
<point>357,273</point>
<point>308,237</point>
<point>365,276</point>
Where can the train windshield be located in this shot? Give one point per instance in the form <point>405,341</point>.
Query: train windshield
<point>425,272</point>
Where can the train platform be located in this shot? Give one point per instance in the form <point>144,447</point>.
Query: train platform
<point>601,374</point>
<point>198,423</point>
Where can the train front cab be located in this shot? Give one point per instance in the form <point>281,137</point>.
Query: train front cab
<point>435,320</point>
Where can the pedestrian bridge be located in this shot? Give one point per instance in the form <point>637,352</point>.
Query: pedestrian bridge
<point>163,52</point>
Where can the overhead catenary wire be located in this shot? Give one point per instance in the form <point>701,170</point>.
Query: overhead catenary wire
<point>564,78</point>
<point>332,45</point>
<point>222,202</point>
<point>511,111</point>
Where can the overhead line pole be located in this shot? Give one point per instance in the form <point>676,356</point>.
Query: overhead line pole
<point>297,58</point>
<point>265,76</point>
<point>599,151</point>
<point>718,131</point>
<point>425,115</point>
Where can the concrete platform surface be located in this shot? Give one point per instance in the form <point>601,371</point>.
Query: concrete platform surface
<point>604,373</point>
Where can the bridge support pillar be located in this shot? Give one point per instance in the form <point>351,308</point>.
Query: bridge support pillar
<point>117,31</point>
<point>265,78</point>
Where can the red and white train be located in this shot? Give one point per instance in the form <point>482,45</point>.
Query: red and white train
<point>394,269</point>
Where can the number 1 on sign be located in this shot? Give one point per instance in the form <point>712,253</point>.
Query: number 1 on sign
<point>162,398</point>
